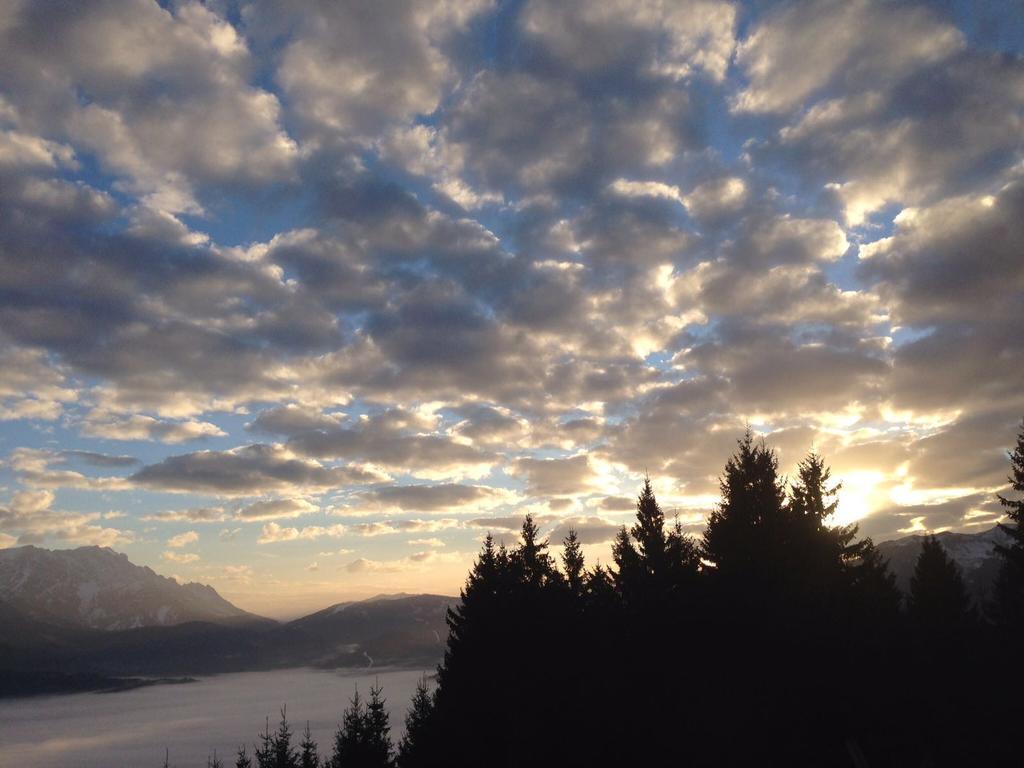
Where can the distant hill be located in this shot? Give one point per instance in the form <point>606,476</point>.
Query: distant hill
<point>97,588</point>
<point>973,552</point>
<point>387,629</point>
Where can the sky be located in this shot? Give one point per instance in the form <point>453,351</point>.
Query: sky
<point>300,299</point>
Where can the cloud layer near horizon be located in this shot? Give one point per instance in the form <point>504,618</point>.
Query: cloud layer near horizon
<point>321,273</point>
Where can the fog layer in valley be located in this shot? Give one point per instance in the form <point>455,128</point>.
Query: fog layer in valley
<point>132,728</point>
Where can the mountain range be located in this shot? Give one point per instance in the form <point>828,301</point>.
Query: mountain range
<point>97,588</point>
<point>88,619</point>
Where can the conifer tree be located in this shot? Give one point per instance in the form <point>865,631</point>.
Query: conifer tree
<point>817,555</point>
<point>682,556</point>
<point>742,530</point>
<point>1009,587</point>
<point>378,730</point>
<point>649,531</point>
<point>531,558</point>
<point>414,749</point>
<point>308,757</point>
<point>214,762</point>
<point>600,590</point>
<point>938,604</point>
<point>264,751</point>
<point>573,565</point>
<point>242,759</point>
<point>350,738</point>
<point>284,754</point>
<point>628,575</point>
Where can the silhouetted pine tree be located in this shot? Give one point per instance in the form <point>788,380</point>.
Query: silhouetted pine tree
<point>350,743</point>
<point>873,597</point>
<point>531,559</point>
<point>600,597</point>
<point>682,554</point>
<point>817,556</point>
<point>649,532</point>
<point>741,532</point>
<point>284,754</point>
<point>415,748</point>
<point>628,574</point>
<point>378,730</point>
<point>214,762</point>
<point>573,565</point>
<point>308,756</point>
<point>1009,588</point>
<point>264,751</point>
<point>242,759</point>
<point>938,605</point>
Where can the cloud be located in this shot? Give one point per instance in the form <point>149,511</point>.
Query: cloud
<point>273,509</point>
<point>139,427</point>
<point>589,530</point>
<point>660,39</point>
<point>797,51</point>
<point>273,533</point>
<point>245,471</point>
<point>30,519</point>
<point>134,83</point>
<point>349,73</point>
<point>434,498</point>
<point>415,562</point>
<point>388,527</point>
<point>193,515</point>
<point>432,543</point>
<point>183,539</point>
<point>180,558</point>
<point>555,477</point>
<point>94,459</point>
<point>31,386</point>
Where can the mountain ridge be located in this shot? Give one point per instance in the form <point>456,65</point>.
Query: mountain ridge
<point>99,588</point>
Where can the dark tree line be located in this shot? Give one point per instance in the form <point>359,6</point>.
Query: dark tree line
<point>776,639</point>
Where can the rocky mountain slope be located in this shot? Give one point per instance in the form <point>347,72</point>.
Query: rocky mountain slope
<point>97,588</point>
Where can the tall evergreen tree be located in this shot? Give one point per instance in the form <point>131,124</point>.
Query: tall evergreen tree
<point>242,759</point>
<point>264,751</point>
<point>350,738</point>
<point>938,604</point>
<point>741,531</point>
<point>284,754</point>
<point>683,557</point>
<point>873,597</point>
<point>649,531</point>
<point>308,756</point>
<point>378,730</point>
<point>531,557</point>
<point>818,556</point>
<point>628,575</point>
<point>573,564</point>
<point>1009,587</point>
<point>415,749</point>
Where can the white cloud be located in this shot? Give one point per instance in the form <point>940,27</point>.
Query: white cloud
<point>183,539</point>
